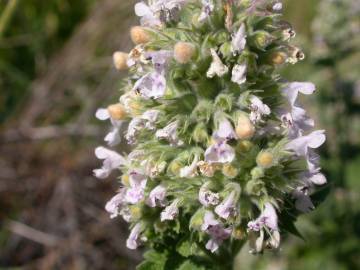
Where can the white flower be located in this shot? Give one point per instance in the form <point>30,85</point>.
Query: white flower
<point>113,137</point>
<point>137,58</point>
<point>216,67</point>
<point>135,193</point>
<point>191,170</point>
<point>238,42</point>
<point>258,109</point>
<point>151,86</point>
<point>169,133</point>
<point>227,207</point>
<point>157,197</point>
<point>239,74</point>
<point>277,6</point>
<point>113,206</point>
<point>112,161</point>
<point>291,90</point>
<point>171,211</point>
<point>302,144</point>
<point>220,152</point>
<point>150,118</point>
<point>134,238</point>
<point>207,9</point>
<point>256,242</point>
<point>207,197</point>
<point>225,130</point>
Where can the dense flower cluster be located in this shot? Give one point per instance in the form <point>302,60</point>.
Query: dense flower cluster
<point>220,141</point>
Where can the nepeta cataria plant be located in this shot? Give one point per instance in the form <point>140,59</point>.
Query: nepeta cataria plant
<point>222,152</point>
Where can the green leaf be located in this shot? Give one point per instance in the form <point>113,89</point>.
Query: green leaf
<point>189,265</point>
<point>187,248</point>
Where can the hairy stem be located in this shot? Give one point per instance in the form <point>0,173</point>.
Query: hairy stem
<point>7,15</point>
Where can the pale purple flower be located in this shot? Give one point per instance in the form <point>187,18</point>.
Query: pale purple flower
<point>238,42</point>
<point>191,170</point>
<point>135,193</point>
<point>227,207</point>
<point>151,86</point>
<point>150,13</point>
<point>157,197</point>
<point>258,109</point>
<point>207,9</point>
<point>303,202</point>
<point>291,90</point>
<point>225,130</point>
<point>169,133</point>
<point>267,218</point>
<point>302,144</point>
<point>217,68</point>
<point>112,161</point>
<point>113,137</point>
<point>147,14</point>
<point>296,122</point>
<point>238,74</point>
<point>114,205</point>
<point>220,152</point>
<point>134,238</point>
<point>135,126</point>
<point>171,211</point>
<point>207,197</point>
<point>159,59</point>
<point>216,231</point>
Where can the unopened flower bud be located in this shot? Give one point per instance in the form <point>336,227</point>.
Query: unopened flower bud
<point>261,39</point>
<point>184,52</point>
<point>200,134</point>
<point>139,35</point>
<point>117,111</point>
<point>257,173</point>
<point>230,171</point>
<point>175,167</point>
<point>265,159</point>
<point>120,60</point>
<point>278,58</point>
<point>295,55</point>
<point>239,233</point>
<point>135,212</point>
<point>125,180</point>
<point>244,128</point>
<point>244,146</point>
<point>197,220</point>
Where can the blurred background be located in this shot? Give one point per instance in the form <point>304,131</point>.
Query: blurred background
<point>56,70</point>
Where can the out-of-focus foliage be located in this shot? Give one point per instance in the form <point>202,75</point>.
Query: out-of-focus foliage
<point>333,63</point>
<point>37,29</point>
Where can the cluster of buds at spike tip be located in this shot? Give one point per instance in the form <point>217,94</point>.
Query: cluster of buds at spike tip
<point>211,125</point>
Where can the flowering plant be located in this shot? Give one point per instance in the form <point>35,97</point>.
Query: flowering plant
<point>222,151</point>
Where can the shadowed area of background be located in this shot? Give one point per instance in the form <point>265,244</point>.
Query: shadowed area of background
<point>55,71</point>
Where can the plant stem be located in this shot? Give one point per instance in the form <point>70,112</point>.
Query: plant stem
<point>7,15</point>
